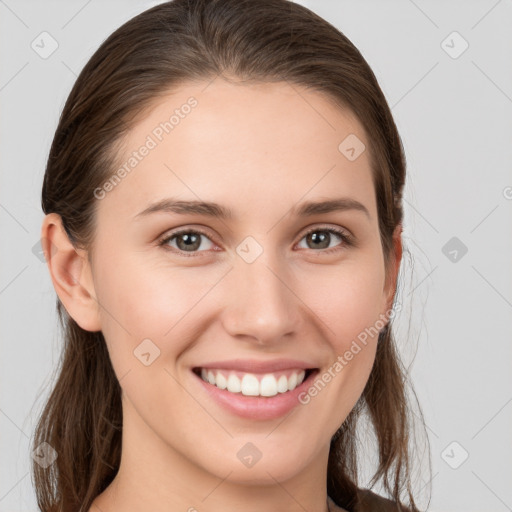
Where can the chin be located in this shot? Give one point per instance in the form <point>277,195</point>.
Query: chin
<point>260,461</point>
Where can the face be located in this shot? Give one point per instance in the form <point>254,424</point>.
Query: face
<point>273,302</point>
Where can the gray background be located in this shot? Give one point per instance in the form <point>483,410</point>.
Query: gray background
<point>453,111</point>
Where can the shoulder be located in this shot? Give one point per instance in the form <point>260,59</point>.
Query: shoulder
<point>368,501</point>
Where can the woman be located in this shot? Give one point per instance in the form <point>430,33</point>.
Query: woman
<point>223,230</point>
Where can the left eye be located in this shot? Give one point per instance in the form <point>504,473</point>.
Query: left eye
<point>189,241</point>
<point>323,240</point>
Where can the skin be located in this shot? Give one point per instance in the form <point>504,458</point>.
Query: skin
<point>258,149</point>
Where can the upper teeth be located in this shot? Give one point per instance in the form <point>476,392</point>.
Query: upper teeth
<point>250,385</point>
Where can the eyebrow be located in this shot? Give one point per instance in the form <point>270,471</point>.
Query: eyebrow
<point>210,209</point>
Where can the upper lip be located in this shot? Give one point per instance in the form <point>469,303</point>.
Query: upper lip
<point>258,366</point>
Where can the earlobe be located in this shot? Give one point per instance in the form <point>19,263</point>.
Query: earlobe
<point>71,275</point>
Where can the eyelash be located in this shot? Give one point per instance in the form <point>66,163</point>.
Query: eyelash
<point>347,239</point>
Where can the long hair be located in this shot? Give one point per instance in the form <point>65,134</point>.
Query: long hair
<point>161,48</point>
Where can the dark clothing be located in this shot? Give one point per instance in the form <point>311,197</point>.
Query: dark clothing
<point>372,502</point>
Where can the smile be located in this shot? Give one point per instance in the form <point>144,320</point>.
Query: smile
<point>254,384</point>
<point>255,389</point>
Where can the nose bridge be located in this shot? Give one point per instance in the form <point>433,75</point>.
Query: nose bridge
<point>260,305</point>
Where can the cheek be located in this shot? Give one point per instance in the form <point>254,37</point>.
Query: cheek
<point>348,300</point>
<point>142,299</point>
<point>348,303</point>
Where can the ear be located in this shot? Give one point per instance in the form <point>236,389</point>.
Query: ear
<point>393,269</point>
<point>71,274</point>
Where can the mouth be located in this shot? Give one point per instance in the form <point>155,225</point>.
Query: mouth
<point>252,384</point>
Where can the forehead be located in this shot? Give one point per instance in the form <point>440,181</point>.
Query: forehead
<point>228,142</point>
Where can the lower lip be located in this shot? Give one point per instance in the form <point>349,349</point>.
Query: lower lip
<point>257,407</point>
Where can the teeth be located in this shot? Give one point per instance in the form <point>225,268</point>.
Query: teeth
<point>292,381</point>
<point>268,385</point>
<point>221,381</point>
<point>234,384</point>
<point>250,385</point>
<point>282,384</point>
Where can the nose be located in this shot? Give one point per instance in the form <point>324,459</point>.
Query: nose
<point>262,306</point>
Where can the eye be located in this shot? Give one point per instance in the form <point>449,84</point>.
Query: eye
<point>187,240</point>
<point>190,240</point>
<point>323,241</point>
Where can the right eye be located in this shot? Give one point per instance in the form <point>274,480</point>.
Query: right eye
<point>187,241</point>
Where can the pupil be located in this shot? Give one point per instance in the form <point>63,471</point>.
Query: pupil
<point>322,238</point>
<point>189,241</point>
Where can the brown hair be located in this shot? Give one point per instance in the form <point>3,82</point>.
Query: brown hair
<point>170,44</point>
